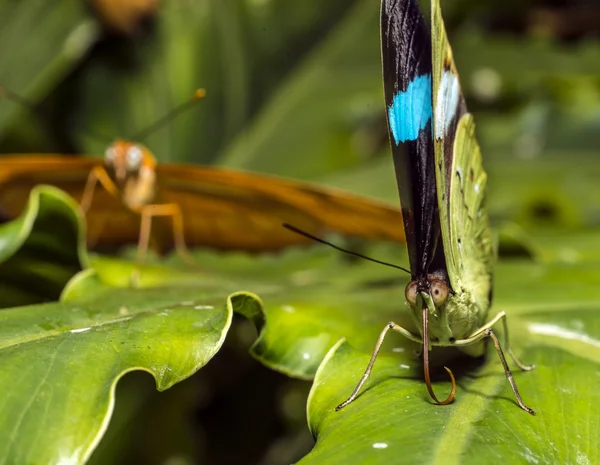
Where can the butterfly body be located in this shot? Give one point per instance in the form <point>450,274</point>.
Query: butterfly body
<point>441,183</point>
<point>424,105</point>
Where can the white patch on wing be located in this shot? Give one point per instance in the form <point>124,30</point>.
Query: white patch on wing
<point>447,103</point>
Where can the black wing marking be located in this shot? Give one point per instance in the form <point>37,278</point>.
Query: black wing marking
<point>407,73</point>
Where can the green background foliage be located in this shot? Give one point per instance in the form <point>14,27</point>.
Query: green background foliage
<point>294,88</point>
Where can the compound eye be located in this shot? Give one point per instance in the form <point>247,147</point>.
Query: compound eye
<point>133,157</point>
<point>411,293</point>
<point>439,292</point>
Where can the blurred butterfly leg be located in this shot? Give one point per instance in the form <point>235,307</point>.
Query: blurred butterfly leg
<point>365,376</point>
<point>147,212</point>
<point>178,236</point>
<point>97,175</point>
<point>172,210</point>
<point>486,331</point>
<point>450,397</point>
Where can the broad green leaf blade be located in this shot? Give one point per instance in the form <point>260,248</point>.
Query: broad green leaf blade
<point>554,319</point>
<point>61,362</point>
<point>314,115</point>
<point>123,273</point>
<point>43,42</point>
<point>398,420</point>
<point>304,324</point>
<point>42,249</point>
<point>312,297</point>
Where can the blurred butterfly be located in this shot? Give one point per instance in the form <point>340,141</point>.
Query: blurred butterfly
<point>441,182</point>
<point>212,207</point>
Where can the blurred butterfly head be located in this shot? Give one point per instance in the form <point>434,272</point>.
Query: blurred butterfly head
<point>124,159</point>
<point>132,167</point>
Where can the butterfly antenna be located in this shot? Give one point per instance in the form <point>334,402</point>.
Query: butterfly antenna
<point>349,252</point>
<point>18,99</point>
<point>450,398</point>
<point>171,115</point>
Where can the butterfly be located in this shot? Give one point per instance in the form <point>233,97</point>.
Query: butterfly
<point>208,206</point>
<point>441,182</point>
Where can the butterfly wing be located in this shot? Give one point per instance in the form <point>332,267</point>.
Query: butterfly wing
<point>224,209</point>
<point>230,209</point>
<point>461,179</point>
<point>407,74</point>
<point>20,173</point>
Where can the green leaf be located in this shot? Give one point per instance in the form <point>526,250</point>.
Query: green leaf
<point>41,249</point>
<point>554,319</point>
<point>556,190</point>
<point>522,63</point>
<point>304,323</point>
<point>555,245</point>
<point>61,361</point>
<point>308,294</point>
<point>331,92</point>
<point>46,41</point>
<point>311,299</point>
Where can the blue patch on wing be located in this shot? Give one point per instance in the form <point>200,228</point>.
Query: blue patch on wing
<point>410,110</point>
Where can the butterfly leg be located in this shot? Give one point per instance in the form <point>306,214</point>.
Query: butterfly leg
<point>97,175</point>
<point>486,331</point>
<point>172,210</point>
<point>365,376</point>
<point>480,334</point>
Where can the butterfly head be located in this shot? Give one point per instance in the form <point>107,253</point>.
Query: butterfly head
<point>433,285</point>
<point>125,160</point>
<point>433,292</point>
